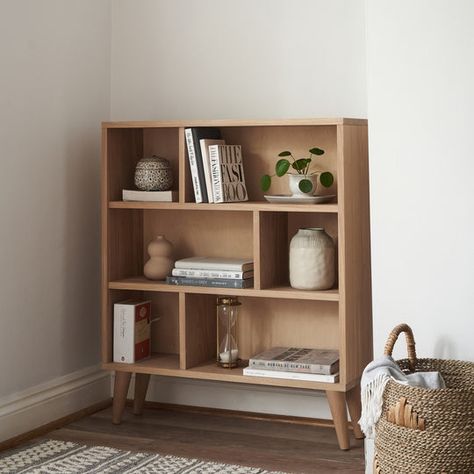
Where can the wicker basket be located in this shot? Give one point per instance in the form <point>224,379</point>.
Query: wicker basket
<point>426,430</point>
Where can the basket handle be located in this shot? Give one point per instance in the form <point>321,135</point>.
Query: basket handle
<point>410,341</point>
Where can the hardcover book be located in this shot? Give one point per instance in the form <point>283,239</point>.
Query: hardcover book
<point>193,135</point>
<point>227,171</point>
<point>149,196</point>
<point>200,273</point>
<point>205,143</point>
<point>213,282</point>
<point>215,263</point>
<point>132,331</point>
<point>296,359</point>
<point>333,378</point>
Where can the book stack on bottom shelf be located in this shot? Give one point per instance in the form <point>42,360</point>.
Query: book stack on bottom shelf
<point>213,271</point>
<point>294,363</point>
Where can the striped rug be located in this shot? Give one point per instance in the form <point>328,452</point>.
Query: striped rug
<point>60,457</point>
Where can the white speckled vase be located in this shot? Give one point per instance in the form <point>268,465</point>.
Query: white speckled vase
<point>312,260</point>
<point>161,263</point>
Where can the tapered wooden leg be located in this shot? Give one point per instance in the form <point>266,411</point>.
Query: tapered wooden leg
<point>354,406</point>
<point>337,404</point>
<point>141,386</point>
<point>122,381</point>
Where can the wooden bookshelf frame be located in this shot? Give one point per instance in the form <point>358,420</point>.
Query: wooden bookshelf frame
<point>273,312</point>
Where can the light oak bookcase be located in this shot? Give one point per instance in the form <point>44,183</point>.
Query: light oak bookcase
<point>272,313</point>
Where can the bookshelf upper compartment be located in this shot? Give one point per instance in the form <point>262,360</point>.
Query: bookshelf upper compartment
<point>126,146</point>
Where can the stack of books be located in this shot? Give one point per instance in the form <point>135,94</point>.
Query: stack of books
<point>217,170</point>
<point>313,365</point>
<point>212,271</point>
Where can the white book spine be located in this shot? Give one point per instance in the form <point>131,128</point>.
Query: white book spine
<point>207,170</point>
<point>124,333</point>
<point>193,165</point>
<point>214,159</point>
<point>230,267</point>
<point>210,273</point>
<point>291,375</point>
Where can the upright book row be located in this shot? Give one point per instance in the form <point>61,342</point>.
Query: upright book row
<point>217,170</point>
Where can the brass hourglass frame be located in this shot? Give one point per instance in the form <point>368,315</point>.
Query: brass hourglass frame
<point>227,301</point>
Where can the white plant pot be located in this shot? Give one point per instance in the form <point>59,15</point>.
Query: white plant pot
<point>312,260</point>
<point>294,181</point>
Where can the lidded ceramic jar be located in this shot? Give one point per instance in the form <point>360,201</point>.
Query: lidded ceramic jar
<point>312,260</point>
<point>161,263</point>
<point>153,174</point>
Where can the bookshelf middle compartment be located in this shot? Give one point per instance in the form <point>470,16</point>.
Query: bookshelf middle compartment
<point>275,231</point>
<point>227,234</point>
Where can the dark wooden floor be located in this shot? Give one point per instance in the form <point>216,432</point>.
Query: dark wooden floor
<point>272,445</point>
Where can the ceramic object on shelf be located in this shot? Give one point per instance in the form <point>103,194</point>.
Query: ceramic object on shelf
<point>290,199</point>
<point>312,260</point>
<point>295,179</point>
<point>161,263</point>
<point>153,174</point>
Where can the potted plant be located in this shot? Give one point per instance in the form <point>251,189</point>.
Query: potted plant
<point>301,181</point>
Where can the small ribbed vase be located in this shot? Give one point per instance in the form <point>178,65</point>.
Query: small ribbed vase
<point>312,260</point>
<point>161,262</point>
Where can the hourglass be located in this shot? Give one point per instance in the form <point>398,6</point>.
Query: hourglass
<point>227,348</point>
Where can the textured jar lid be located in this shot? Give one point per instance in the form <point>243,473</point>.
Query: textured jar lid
<point>158,161</point>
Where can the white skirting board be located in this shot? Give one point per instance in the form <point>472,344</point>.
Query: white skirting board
<point>232,396</point>
<point>36,406</point>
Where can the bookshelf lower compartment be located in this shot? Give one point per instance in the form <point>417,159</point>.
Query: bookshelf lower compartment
<point>168,365</point>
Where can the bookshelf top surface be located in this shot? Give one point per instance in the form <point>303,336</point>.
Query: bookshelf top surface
<point>234,123</point>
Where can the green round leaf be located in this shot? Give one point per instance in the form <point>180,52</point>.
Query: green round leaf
<point>284,153</point>
<point>265,182</point>
<point>326,179</point>
<point>282,167</point>
<point>300,164</point>
<point>305,185</point>
<point>316,151</point>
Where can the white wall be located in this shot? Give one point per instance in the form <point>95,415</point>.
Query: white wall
<point>420,99</point>
<point>227,59</point>
<point>54,91</point>
<point>246,59</point>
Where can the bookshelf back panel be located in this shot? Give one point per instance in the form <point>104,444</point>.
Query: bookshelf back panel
<point>125,243</point>
<point>201,234</point>
<point>266,323</point>
<point>165,331</point>
<point>125,147</point>
<point>261,145</point>
<point>163,142</point>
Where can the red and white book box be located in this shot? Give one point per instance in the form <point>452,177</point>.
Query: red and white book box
<point>132,331</point>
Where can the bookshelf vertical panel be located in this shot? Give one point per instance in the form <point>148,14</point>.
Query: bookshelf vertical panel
<point>273,249</point>
<point>182,330</point>
<point>200,329</point>
<point>354,251</point>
